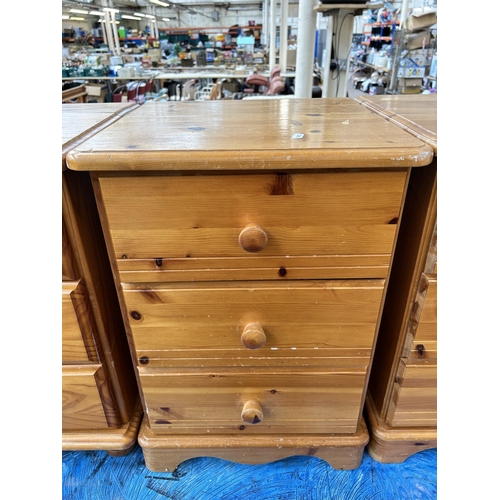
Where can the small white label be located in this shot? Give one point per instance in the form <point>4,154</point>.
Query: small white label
<point>297,136</point>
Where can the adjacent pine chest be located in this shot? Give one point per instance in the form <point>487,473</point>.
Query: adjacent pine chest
<point>251,242</point>
<point>100,409</point>
<point>401,404</point>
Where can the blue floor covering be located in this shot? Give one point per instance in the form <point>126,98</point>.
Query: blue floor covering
<point>95,475</point>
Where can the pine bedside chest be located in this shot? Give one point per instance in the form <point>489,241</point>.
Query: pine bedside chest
<point>401,405</point>
<point>250,243</point>
<point>100,409</point>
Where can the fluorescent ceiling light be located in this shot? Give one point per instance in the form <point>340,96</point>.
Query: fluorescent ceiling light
<point>65,17</point>
<point>108,9</point>
<point>96,13</point>
<point>124,16</point>
<point>78,11</point>
<point>77,19</point>
<point>139,14</point>
<point>166,19</point>
<point>157,2</point>
<point>150,16</point>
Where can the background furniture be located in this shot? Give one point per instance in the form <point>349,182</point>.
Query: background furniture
<point>402,395</point>
<point>77,94</point>
<point>100,409</point>
<point>250,257</point>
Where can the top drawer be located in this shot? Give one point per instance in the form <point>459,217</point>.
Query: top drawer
<point>178,227</point>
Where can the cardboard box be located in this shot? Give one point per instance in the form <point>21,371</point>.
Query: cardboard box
<point>419,57</point>
<point>420,19</point>
<point>418,40</point>
<point>412,72</point>
<point>96,91</point>
<point>376,90</point>
<point>411,90</point>
<point>155,55</point>
<point>410,82</point>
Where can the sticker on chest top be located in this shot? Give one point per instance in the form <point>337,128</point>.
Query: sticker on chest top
<point>297,136</point>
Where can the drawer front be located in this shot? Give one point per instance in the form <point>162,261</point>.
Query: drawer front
<point>252,401</point>
<point>81,401</point>
<point>324,224</point>
<point>78,327</point>
<point>252,323</point>
<point>414,399</point>
<point>424,345</point>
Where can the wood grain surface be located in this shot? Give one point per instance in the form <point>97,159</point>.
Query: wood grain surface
<point>242,135</point>
<point>300,318</point>
<point>186,216</point>
<point>416,114</point>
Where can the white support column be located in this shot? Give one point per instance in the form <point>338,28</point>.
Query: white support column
<point>328,57</point>
<point>264,36</point>
<point>105,33</point>
<point>115,33</point>
<point>404,14</point>
<point>306,38</point>
<point>109,31</point>
<point>283,35</point>
<point>272,41</point>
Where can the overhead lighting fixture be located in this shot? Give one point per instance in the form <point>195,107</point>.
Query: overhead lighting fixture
<point>157,2</point>
<point>166,19</point>
<point>78,11</point>
<point>65,17</point>
<point>139,14</point>
<point>77,19</point>
<point>96,13</point>
<point>149,16</point>
<point>124,16</point>
<point>108,9</point>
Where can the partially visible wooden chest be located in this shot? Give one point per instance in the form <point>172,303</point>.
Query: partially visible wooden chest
<point>100,405</point>
<point>250,243</point>
<point>401,405</point>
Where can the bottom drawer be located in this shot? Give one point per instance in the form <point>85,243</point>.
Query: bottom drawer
<point>312,400</point>
<point>82,406</point>
<point>414,401</point>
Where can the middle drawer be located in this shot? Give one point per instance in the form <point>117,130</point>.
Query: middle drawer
<point>258,323</point>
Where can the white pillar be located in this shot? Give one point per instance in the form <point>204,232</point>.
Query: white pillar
<point>109,31</point>
<point>328,57</point>
<point>284,35</point>
<point>264,36</point>
<point>404,14</point>
<point>272,41</point>
<point>105,34</point>
<point>306,38</point>
<point>115,33</point>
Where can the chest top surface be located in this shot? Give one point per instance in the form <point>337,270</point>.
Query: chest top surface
<point>415,113</point>
<point>249,135</point>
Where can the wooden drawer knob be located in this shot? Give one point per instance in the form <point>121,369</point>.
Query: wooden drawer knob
<point>253,238</point>
<point>252,412</point>
<point>253,336</point>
